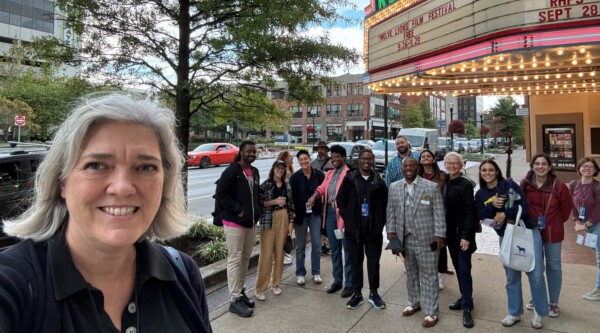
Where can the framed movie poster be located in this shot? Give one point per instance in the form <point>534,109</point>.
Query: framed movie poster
<point>559,143</point>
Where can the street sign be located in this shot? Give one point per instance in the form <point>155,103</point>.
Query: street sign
<point>19,120</point>
<point>522,111</point>
<point>441,123</point>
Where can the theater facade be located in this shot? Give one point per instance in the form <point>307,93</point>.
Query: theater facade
<point>547,50</point>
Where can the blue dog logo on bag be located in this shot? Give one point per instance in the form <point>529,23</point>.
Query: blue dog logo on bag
<point>522,250</point>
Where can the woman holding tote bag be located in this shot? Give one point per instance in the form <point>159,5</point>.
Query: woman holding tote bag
<point>494,202</point>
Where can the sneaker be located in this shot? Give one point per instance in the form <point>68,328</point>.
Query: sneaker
<point>239,308</point>
<point>317,279</point>
<point>441,280</point>
<point>376,300</point>
<point>510,320</point>
<point>324,250</point>
<point>593,295</point>
<point>288,259</point>
<point>249,303</point>
<point>536,321</point>
<point>529,306</point>
<point>355,301</point>
<point>276,291</point>
<point>300,280</point>
<point>554,310</point>
<point>260,295</point>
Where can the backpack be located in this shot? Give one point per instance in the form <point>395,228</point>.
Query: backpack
<point>594,187</point>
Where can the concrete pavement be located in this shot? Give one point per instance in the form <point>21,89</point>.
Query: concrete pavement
<point>309,308</point>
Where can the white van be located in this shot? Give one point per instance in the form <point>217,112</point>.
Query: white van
<point>421,138</point>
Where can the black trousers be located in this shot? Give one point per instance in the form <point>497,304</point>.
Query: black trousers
<point>357,251</point>
<point>443,262</point>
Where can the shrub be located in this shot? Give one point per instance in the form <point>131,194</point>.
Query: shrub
<point>204,230</point>
<point>214,251</point>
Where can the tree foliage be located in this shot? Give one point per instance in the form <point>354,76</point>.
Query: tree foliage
<point>412,116</point>
<point>456,126</point>
<point>204,56</point>
<point>484,130</point>
<point>11,108</point>
<point>505,112</point>
<point>471,131</point>
<point>428,120</point>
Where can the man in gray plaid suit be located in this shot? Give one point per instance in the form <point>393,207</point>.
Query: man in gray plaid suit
<point>415,214</point>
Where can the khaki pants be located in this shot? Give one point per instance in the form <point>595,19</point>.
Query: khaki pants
<point>240,242</point>
<point>271,251</point>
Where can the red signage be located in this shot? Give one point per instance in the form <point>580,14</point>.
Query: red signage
<point>19,120</point>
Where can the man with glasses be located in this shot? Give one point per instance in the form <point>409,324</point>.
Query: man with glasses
<point>362,202</point>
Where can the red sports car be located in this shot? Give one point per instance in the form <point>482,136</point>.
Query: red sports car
<point>212,154</point>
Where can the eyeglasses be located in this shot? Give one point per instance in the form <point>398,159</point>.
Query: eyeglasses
<point>587,166</point>
<point>452,163</point>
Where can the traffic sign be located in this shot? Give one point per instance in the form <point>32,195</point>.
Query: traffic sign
<point>19,120</point>
<point>441,123</point>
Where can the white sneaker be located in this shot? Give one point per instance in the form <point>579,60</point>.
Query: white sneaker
<point>510,320</point>
<point>593,295</point>
<point>536,321</point>
<point>441,280</point>
<point>287,259</point>
<point>317,279</point>
<point>300,280</point>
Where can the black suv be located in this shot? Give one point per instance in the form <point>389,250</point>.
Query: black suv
<point>17,169</point>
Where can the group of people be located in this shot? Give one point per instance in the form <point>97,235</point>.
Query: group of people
<point>115,183</point>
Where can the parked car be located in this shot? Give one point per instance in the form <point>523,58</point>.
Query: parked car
<point>458,147</point>
<point>352,151</point>
<point>474,145</point>
<point>17,169</point>
<point>421,138</point>
<point>212,154</point>
<point>369,143</point>
<point>379,151</point>
<point>443,147</point>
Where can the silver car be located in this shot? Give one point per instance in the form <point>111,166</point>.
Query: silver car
<point>379,151</point>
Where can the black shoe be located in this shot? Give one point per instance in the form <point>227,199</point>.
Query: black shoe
<point>468,319</point>
<point>333,288</point>
<point>240,308</point>
<point>376,300</point>
<point>249,303</point>
<point>324,250</point>
<point>456,305</point>
<point>347,292</point>
<point>355,301</point>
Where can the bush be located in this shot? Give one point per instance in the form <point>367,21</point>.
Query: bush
<point>214,251</point>
<point>204,230</point>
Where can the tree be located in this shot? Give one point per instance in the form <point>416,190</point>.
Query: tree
<point>428,120</point>
<point>203,56</point>
<point>11,108</point>
<point>412,117</point>
<point>471,131</point>
<point>505,110</point>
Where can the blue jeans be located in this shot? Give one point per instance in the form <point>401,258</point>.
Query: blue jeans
<point>552,253</point>
<point>595,229</point>
<point>537,284</point>
<point>312,222</point>
<point>336,246</point>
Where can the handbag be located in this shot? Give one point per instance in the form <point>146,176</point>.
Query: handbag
<point>289,245</point>
<point>517,250</point>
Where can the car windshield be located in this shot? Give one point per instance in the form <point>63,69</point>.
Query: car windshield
<point>415,141</point>
<point>379,145</point>
<point>205,147</point>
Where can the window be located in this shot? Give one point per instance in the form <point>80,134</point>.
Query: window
<point>316,108</point>
<point>334,110</point>
<point>355,110</point>
<point>334,90</point>
<point>354,88</point>
<point>278,94</point>
<point>296,111</point>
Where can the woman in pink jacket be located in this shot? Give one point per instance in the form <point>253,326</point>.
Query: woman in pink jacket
<point>550,205</point>
<point>333,222</point>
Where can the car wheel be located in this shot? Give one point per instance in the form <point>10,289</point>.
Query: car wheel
<point>205,162</point>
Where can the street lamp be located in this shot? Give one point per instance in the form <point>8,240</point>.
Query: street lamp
<point>452,133</point>
<point>313,113</point>
<point>481,131</point>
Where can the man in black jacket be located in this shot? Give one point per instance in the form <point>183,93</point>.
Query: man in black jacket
<point>237,194</point>
<point>362,202</point>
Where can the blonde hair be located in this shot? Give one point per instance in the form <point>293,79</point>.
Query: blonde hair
<point>48,211</point>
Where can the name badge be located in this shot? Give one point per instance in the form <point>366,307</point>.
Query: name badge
<point>541,222</point>
<point>425,202</point>
<point>582,213</point>
<point>364,209</point>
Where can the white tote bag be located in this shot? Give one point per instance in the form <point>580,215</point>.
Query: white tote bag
<point>517,250</point>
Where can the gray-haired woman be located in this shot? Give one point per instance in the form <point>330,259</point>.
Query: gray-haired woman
<point>111,182</point>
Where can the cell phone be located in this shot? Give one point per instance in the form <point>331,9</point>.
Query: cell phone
<point>433,246</point>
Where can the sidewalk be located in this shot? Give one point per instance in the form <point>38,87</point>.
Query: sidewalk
<point>309,308</point>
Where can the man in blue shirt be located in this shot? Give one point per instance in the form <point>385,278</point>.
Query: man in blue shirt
<point>393,172</point>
